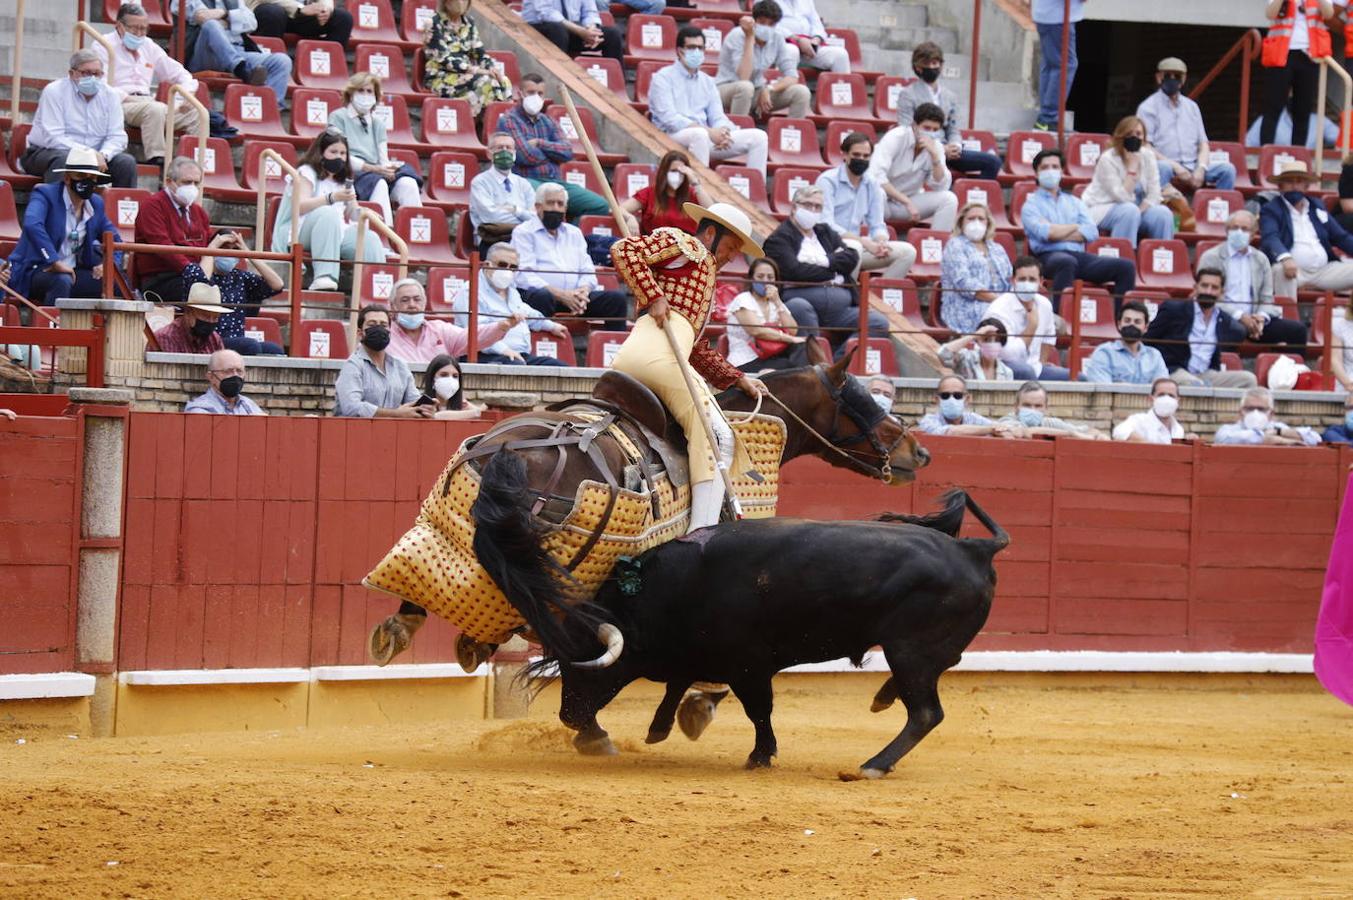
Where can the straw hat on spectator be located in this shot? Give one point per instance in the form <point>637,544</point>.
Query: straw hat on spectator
<point>205,297</point>
<point>1293,170</point>
<point>731,218</point>
<point>1172,64</point>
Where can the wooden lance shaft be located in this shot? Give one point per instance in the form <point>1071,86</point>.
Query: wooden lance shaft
<point>686,374</point>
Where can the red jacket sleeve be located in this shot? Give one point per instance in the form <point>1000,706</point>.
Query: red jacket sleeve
<point>711,366</point>
<point>154,227</point>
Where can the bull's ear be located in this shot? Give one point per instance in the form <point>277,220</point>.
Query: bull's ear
<point>842,366</point>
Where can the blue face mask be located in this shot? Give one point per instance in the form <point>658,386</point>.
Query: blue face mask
<point>759,288</point>
<point>1050,179</point>
<point>693,58</point>
<point>1293,197</point>
<point>1030,418</point>
<point>132,42</point>
<point>224,264</point>
<point>410,320</point>
<point>951,408</point>
<point>88,85</point>
<point>1237,239</point>
<point>763,33</point>
<point>1348,421</point>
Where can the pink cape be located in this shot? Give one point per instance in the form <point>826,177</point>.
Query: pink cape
<point>1334,628</point>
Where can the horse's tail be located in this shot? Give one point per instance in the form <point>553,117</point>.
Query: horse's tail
<point>948,520</point>
<point>507,543</point>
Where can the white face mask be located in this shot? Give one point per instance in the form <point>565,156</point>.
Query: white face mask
<point>1164,406</point>
<point>674,180</point>
<point>502,279</point>
<point>186,194</point>
<point>884,402</point>
<point>1026,288</point>
<point>446,386</point>
<point>806,217</point>
<point>364,103</point>
<point>1256,420</point>
<point>533,104</point>
<point>975,230</point>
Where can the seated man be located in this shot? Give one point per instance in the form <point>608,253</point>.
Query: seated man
<point>225,382</point>
<point>500,199</point>
<point>927,61</point>
<point>416,338</point>
<point>684,102</point>
<point>139,65</point>
<point>541,148</point>
<point>853,199</point>
<point>172,217</point>
<point>1127,360</point>
<point>1256,424</point>
<point>952,417</point>
<point>1174,126</point>
<point>1031,349</point>
<point>1249,285</point>
<point>882,389</point>
<point>218,40</point>
<point>244,284</point>
<point>809,36</point>
<point>1058,228</point>
<point>747,52</point>
<point>1158,424</point>
<point>574,26</point>
<point>372,382</point>
<point>557,275</point>
<point>60,252</point>
<point>79,113</point>
<point>500,302</point>
<point>910,167</point>
<point>318,19</point>
<point>195,330</point>
<point>1299,235</point>
<point>1343,432</point>
<point>1190,336</point>
<point>1031,413</point>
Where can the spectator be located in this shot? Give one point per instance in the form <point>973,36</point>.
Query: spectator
<point>173,217</point>
<point>376,177</point>
<point>746,53</point>
<point>1124,195</point>
<point>910,167</point>
<point>500,199</point>
<point>1031,413</point>
<point>1174,123</point>
<point>684,103</point>
<point>884,392</point>
<point>853,199</point>
<point>216,41</point>
<point>1296,39</point>
<point>927,61</point>
<point>1049,19</point>
<point>1249,284</point>
<point>79,113</point>
<point>1256,424</point>
<point>809,36</point>
<point>60,251</point>
<point>557,275</point>
<point>372,382</point>
<point>1158,424</point>
<point>455,63</point>
<point>501,305</point>
<point>975,270</point>
<point>1317,126</point>
<point>1031,351</point>
<point>327,206</point>
<point>1343,432</point>
<point>1190,336</point>
<point>318,20</point>
<point>195,330</point>
<point>225,384</point>
<point>1127,360</point>
<point>1058,227</point>
<point>809,252</point>
<point>762,332</point>
<point>1341,346</point>
<point>416,338</point>
<point>573,26</point>
<point>977,356</point>
<point>1345,215</point>
<point>138,65</point>
<point>1299,237</point>
<point>445,384</point>
<point>540,148</point>
<point>952,417</point>
<point>244,285</point>
<point>663,202</point>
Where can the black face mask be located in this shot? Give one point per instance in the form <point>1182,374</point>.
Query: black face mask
<point>1132,144</point>
<point>857,166</point>
<point>1130,333</point>
<point>335,166</point>
<point>1171,86</point>
<point>231,387</point>
<point>376,338</point>
<point>1207,301</point>
<point>929,76</point>
<point>552,219</point>
<point>203,329</point>
<point>83,188</point>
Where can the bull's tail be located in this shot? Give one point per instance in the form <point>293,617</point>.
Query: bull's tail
<point>948,520</point>
<point>999,539</point>
<point>507,543</point>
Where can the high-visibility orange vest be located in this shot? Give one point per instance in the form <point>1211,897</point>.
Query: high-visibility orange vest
<point>1279,38</point>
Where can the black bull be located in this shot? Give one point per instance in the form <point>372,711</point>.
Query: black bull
<point>740,602</point>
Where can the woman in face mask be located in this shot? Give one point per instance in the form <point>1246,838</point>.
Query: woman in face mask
<point>327,208</point>
<point>762,333</point>
<point>660,204</point>
<point>977,356</point>
<point>1124,196</point>
<point>444,385</point>
<point>455,63</point>
<point>376,177</point>
<point>244,285</point>
<point>975,270</point>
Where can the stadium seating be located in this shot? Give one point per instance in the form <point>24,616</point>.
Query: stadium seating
<point>218,170</point>
<point>1118,248</point>
<point>1165,265</point>
<point>1083,150</point>
<point>836,133</point>
<point>386,61</point>
<point>450,174</point>
<point>749,183</point>
<point>449,124</point>
<point>886,90</point>
<point>310,108</point>
<point>444,282</point>
<point>253,110</point>
<point>879,358</point>
<point>650,38</point>
<point>1096,317</point>
<point>1022,147</point>
<point>262,328</point>
<point>602,347</point>
<point>1274,157</point>
<point>786,182</point>
<point>1235,154</point>
<point>415,16</point>
<point>841,96</point>
<point>425,231</point>
<point>274,175</point>
<point>580,172</point>
<point>630,179</point>
<point>989,194</point>
<point>1211,209</point>
<point>1264,361</point>
<point>319,339</point>
<point>929,246</point>
<point>793,142</point>
<point>374,21</point>
<point>605,72</point>
<point>904,298</point>
<point>559,114</point>
<point>321,64</point>
<point>377,283</point>
<point>553,346</point>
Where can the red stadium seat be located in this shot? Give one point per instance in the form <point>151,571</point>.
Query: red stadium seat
<point>714,31</point>
<point>9,162</point>
<point>553,346</point>
<point>643,79</point>
<point>321,64</point>
<point>450,124</point>
<point>374,20</point>
<point>1230,362</point>
<point>1117,248</point>
<point>580,173</point>
<point>1097,323</point>
<point>378,283</point>
<point>505,61</point>
<point>275,175</point>
<point>559,114</point>
<point>602,346</point>
<point>1023,147</point>
<point>450,173</point>
<point>879,358</point>
<point>1264,361</point>
<point>1083,150</point>
<point>903,297</point>
<point>414,18</point>
<point>630,179</point>
<point>886,91</point>
<point>1018,194</point>
<point>160,24</point>
<point>748,182</point>
<point>650,38</point>
<point>605,72</point>
<point>1236,154</point>
<point>793,142</point>
<point>837,131</point>
<point>1274,157</point>
<point>1211,209</point>
<point>787,181</point>
<point>492,114</point>
<point>989,194</point>
<point>253,110</point>
<point>842,95</point>
<point>262,329</point>
<point>1164,265</point>
<point>929,246</point>
<point>218,169</point>
<point>267,46</point>
<point>310,109</point>
<point>122,205</point>
<point>602,225</point>
<point>444,283</point>
<point>1151,299</point>
<point>1007,243</point>
<point>846,37</point>
<point>319,339</point>
<point>425,231</point>
<point>394,112</point>
<point>386,62</point>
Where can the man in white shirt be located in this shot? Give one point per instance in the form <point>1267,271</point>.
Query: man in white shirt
<point>500,199</point>
<point>911,166</point>
<point>757,44</point>
<point>1158,424</point>
<point>1298,234</point>
<point>79,112</point>
<point>498,300</point>
<point>1256,425</point>
<point>1249,284</point>
<point>556,274</point>
<point>1030,323</point>
<point>809,36</point>
<point>852,201</point>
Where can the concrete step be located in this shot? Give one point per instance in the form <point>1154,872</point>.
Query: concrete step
<point>906,38</point>
<point>873,14</point>
<point>898,62</point>
<point>1002,107</point>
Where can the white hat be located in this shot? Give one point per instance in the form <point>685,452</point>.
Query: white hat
<point>83,161</point>
<point>206,297</point>
<point>730,217</point>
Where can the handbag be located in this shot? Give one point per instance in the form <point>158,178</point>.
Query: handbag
<point>766,348</point>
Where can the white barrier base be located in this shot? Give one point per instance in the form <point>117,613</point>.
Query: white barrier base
<point>1098,661</point>
<point>46,686</point>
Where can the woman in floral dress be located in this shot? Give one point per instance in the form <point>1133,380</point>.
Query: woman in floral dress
<point>456,66</point>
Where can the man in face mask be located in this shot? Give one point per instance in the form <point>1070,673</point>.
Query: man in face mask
<point>1248,297</point>
<point>1174,124</point>
<point>500,199</point>
<point>1256,425</point>
<point>952,416</point>
<point>1157,425</point>
<point>173,217</point>
<point>416,338</point>
<point>883,391</point>
<point>1299,235</point>
<point>853,198</point>
<point>79,112</point>
<point>1192,336</point>
<point>1343,432</point>
<point>500,302</point>
<point>927,61</point>
<point>225,386</point>
<point>373,383</point>
<point>195,330</point>
<point>245,284</point>
<point>747,52</point>
<point>909,164</point>
<point>1031,414</point>
<point>1127,360</point>
<point>1031,351</point>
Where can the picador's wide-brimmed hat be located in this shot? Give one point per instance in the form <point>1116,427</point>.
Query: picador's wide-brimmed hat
<point>83,161</point>
<point>730,217</point>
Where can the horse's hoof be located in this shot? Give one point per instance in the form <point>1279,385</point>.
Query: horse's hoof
<point>879,705</point>
<point>757,760</point>
<point>393,636</point>
<point>695,713</point>
<point>472,654</point>
<point>601,746</point>
<point>657,737</point>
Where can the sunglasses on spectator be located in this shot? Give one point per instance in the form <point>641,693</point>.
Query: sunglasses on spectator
<point>951,395</point>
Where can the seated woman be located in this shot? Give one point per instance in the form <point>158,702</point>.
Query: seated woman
<point>455,64</point>
<point>444,384</point>
<point>327,206</point>
<point>974,270</point>
<point>376,177</point>
<point>1124,195</point>
<point>761,329</point>
<point>661,203</point>
<point>1341,346</point>
<point>977,356</point>
<point>244,285</point>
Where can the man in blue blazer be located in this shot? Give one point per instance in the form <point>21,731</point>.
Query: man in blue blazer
<point>60,253</point>
<point>1298,235</point>
<point>1191,334</point>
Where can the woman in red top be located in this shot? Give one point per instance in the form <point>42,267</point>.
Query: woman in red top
<point>659,204</point>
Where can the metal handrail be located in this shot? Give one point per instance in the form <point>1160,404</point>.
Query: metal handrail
<point>1325,65</point>
<point>261,210</point>
<point>78,31</point>
<point>15,80</point>
<point>1251,44</point>
<point>366,218</point>
<point>203,123</point>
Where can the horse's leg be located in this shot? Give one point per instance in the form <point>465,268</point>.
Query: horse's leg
<point>697,709</point>
<point>886,696</point>
<point>393,636</point>
<point>665,714</point>
<point>472,654</point>
<point>757,700</point>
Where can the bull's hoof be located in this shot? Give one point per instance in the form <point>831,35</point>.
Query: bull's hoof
<point>657,737</point>
<point>471,654</point>
<point>863,774</point>
<point>758,760</point>
<point>696,712</point>
<point>595,746</point>
<point>392,637</point>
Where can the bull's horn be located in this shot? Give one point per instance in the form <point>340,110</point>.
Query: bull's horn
<point>609,635</point>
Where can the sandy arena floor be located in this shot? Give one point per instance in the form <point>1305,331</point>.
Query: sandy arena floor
<point>1025,790</point>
